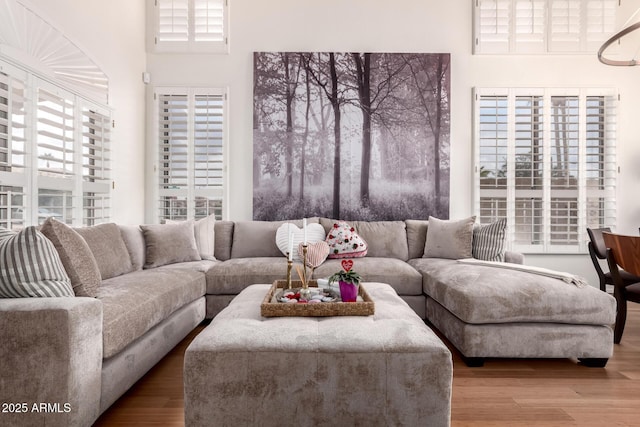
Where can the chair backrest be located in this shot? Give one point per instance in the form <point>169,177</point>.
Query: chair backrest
<point>597,242</point>
<point>626,251</point>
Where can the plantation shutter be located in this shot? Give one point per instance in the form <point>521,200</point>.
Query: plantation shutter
<point>545,160</point>
<point>173,161</point>
<point>190,153</point>
<point>208,155</point>
<point>493,22</point>
<point>529,28</point>
<point>12,150</point>
<point>191,25</point>
<point>96,164</point>
<point>55,135</point>
<point>539,26</point>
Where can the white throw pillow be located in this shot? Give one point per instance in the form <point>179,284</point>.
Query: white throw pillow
<point>315,233</point>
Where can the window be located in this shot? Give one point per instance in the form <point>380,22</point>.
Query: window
<point>545,160</point>
<point>191,26</point>
<point>54,153</point>
<point>191,139</point>
<point>541,26</point>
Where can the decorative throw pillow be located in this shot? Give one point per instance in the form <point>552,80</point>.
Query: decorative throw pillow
<point>205,238</point>
<point>169,244</point>
<point>108,249</point>
<point>489,241</point>
<point>317,253</point>
<point>449,239</point>
<point>31,266</point>
<point>344,242</point>
<point>315,233</point>
<point>76,256</point>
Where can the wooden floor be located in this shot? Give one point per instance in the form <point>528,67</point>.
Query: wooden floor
<point>504,392</point>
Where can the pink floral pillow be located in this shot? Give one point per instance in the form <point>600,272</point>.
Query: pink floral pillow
<point>344,242</point>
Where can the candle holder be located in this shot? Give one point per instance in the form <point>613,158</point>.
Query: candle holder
<point>289,266</point>
<point>304,266</point>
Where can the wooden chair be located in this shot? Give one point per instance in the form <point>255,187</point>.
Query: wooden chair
<point>598,251</point>
<point>623,252</point>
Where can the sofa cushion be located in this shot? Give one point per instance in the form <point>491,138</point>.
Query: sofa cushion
<point>31,266</point>
<point>400,275</point>
<point>489,241</point>
<point>204,230</point>
<point>232,276</point>
<point>223,239</point>
<point>481,294</point>
<point>169,243</point>
<point>449,239</point>
<point>416,237</point>
<point>134,241</point>
<point>135,302</point>
<point>108,249</point>
<point>76,256</point>
<point>258,238</point>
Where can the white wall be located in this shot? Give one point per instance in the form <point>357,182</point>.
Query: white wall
<point>113,34</point>
<point>402,26</point>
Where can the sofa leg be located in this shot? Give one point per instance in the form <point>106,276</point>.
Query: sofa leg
<point>594,362</point>
<point>473,362</point>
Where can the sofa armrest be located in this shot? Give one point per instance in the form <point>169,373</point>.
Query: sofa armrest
<point>514,257</point>
<point>50,360</point>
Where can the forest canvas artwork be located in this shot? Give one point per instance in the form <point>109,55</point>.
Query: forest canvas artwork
<point>356,136</point>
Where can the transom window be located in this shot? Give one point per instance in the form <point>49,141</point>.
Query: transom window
<point>541,26</point>
<point>191,26</point>
<point>545,160</point>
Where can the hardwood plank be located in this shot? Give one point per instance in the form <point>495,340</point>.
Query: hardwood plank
<point>503,393</point>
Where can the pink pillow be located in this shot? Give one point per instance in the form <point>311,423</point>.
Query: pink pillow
<point>344,242</point>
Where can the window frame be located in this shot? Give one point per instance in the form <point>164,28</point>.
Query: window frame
<point>191,45</point>
<point>190,193</point>
<point>505,199</point>
<point>32,179</point>
<point>546,41</point>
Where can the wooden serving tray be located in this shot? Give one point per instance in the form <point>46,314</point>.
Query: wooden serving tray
<point>366,307</point>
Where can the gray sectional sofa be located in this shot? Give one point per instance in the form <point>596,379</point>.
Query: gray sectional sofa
<point>88,351</point>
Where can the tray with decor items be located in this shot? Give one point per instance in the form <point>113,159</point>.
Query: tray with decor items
<point>272,307</point>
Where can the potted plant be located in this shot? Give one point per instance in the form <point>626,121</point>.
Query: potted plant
<point>348,280</point>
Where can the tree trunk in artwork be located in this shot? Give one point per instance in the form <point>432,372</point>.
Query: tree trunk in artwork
<point>306,131</point>
<point>363,73</point>
<point>335,103</point>
<point>437,127</point>
<point>289,138</point>
<point>256,159</point>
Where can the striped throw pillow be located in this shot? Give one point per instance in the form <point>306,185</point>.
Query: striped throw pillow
<point>31,266</point>
<point>489,241</point>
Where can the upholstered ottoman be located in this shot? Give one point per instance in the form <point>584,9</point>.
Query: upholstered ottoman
<point>380,370</point>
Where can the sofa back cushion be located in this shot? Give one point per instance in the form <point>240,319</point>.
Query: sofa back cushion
<point>385,239</point>
<point>258,238</point>
<point>169,244</point>
<point>134,241</point>
<point>223,233</point>
<point>31,266</point>
<point>451,239</point>
<point>76,256</point>
<point>416,237</point>
<point>108,249</point>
